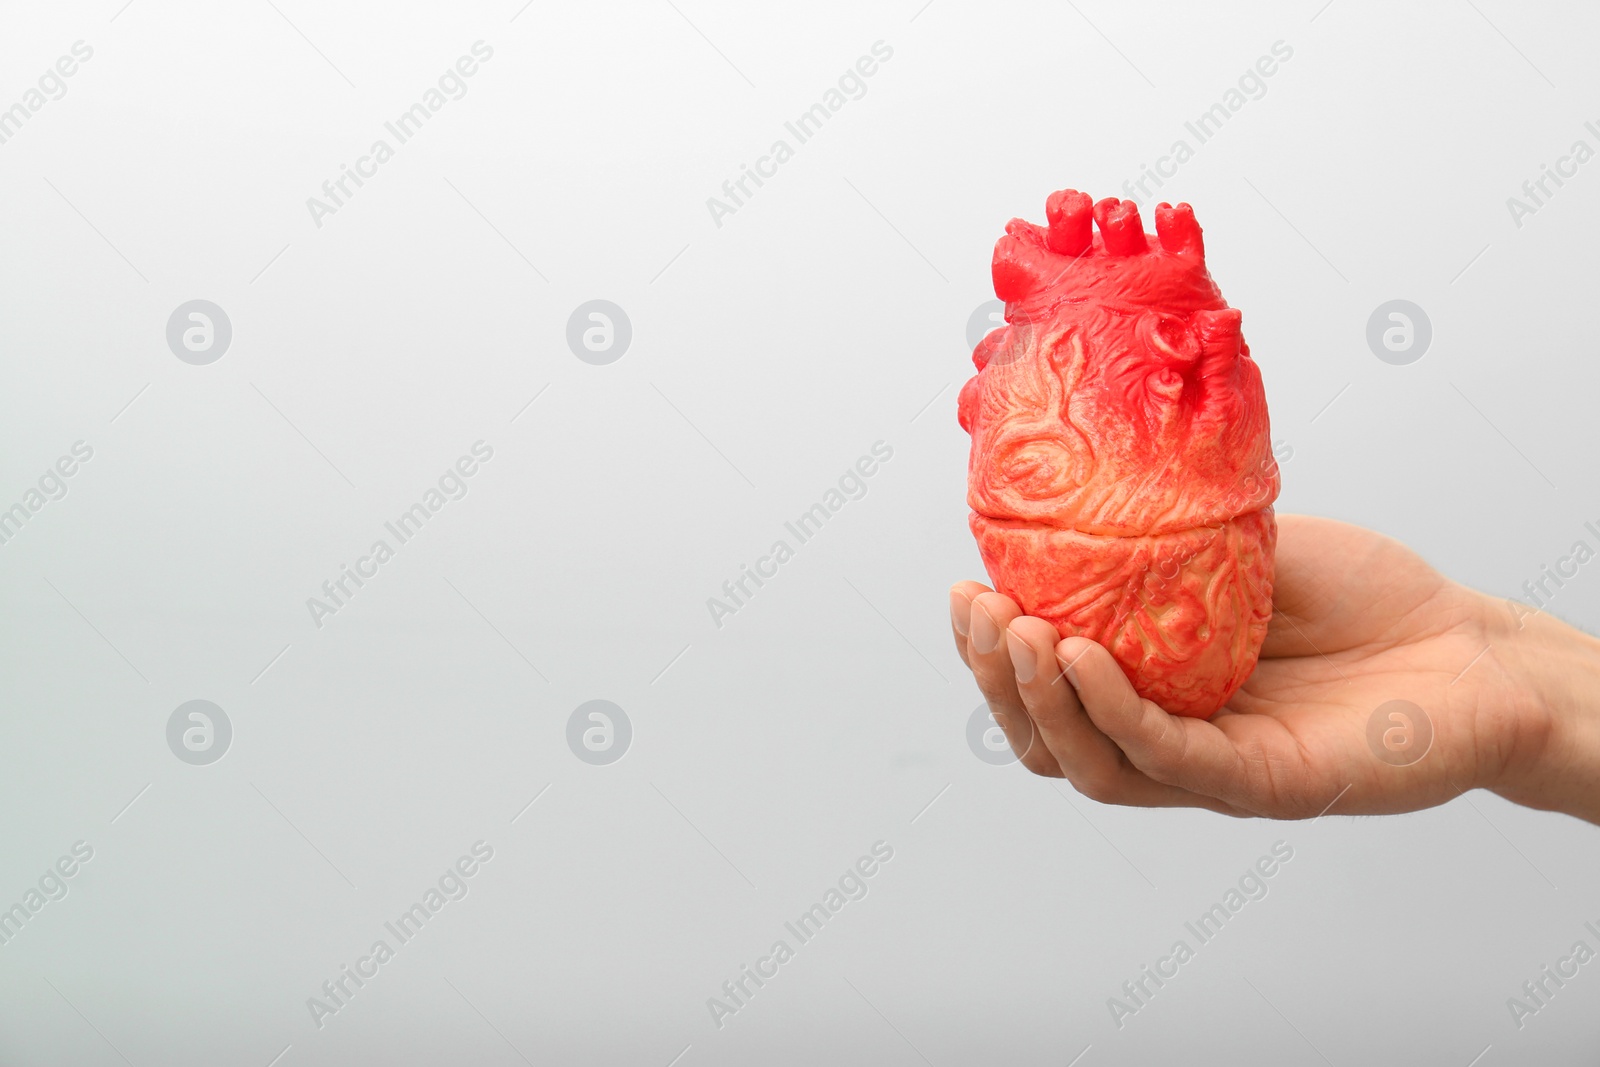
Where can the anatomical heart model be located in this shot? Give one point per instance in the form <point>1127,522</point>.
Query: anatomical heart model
<point>1121,478</point>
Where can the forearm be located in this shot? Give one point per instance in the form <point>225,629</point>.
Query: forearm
<point>1557,667</point>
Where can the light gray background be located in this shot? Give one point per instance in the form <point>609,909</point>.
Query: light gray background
<point>767,355</point>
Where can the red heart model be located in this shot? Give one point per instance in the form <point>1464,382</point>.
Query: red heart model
<point>1121,479</point>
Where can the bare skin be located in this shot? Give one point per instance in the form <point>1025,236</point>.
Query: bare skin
<point>1359,620</point>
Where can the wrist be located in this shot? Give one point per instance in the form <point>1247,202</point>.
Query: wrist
<point>1555,671</point>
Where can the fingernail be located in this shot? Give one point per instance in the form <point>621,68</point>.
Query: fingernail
<point>985,634</point>
<point>1023,660</point>
<point>960,612</point>
<point>1068,669</point>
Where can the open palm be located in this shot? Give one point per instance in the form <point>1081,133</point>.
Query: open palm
<point>1359,622</point>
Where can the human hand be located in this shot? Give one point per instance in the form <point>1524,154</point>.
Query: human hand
<point>1359,620</point>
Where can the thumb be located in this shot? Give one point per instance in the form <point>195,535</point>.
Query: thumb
<point>1190,753</point>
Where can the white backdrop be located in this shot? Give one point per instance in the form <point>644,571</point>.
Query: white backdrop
<point>351,756</point>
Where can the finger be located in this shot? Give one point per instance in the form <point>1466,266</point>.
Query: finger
<point>1188,753</point>
<point>1090,760</point>
<point>961,595</point>
<point>1085,756</point>
<point>991,665</point>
